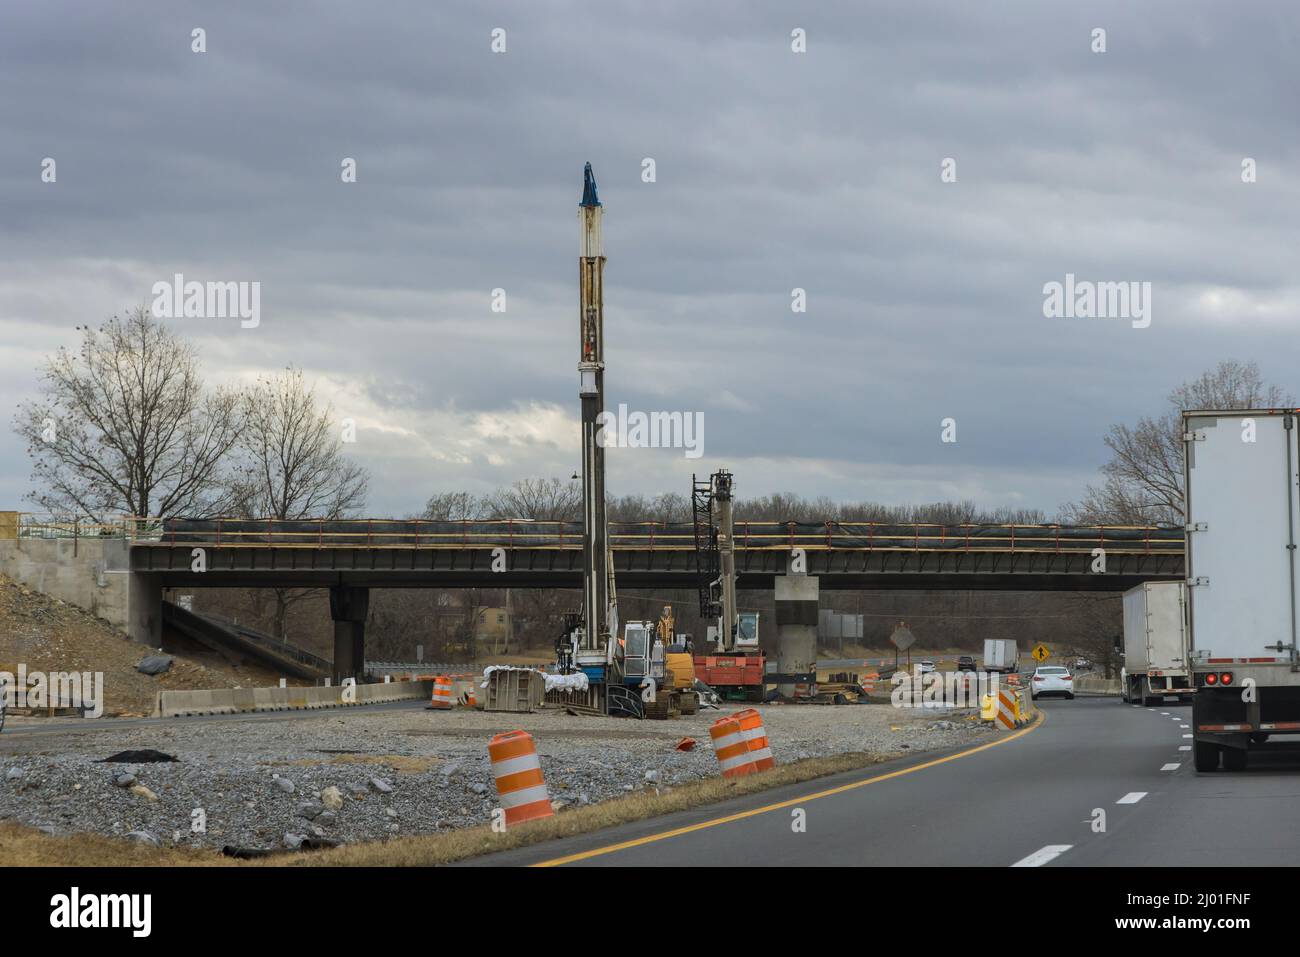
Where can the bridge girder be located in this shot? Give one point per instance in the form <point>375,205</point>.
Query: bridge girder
<point>839,569</point>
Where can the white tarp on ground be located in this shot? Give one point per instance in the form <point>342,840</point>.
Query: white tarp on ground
<point>573,682</point>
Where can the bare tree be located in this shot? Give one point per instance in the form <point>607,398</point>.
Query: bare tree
<point>125,425</point>
<point>1142,483</point>
<point>665,507</point>
<point>292,464</point>
<point>452,507</point>
<point>292,455</point>
<point>552,500</point>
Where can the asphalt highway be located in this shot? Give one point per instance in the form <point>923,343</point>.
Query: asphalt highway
<point>1093,782</point>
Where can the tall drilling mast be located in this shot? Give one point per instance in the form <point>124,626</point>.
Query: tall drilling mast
<point>726,558</point>
<point>715,549</point>
<point>595,647</point>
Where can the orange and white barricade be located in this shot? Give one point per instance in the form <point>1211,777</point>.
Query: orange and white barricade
<point>755,735</point>
<point>442,697</point>
<point>1005,719</point>
<point>518,773</point>
<point>731,748</point>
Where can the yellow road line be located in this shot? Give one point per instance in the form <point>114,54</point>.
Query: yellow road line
<point>741,815</point>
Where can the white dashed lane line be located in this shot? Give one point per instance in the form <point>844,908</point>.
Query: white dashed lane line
<point>1043,855</point>
<point>1171,767</point>
<point>1132,797</point>
<point>1184,747</point>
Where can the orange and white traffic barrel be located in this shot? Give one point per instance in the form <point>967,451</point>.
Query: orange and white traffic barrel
<point>755,735</point>
<point>518,772</point>
<point>442,698</point>
<point>731,748</point>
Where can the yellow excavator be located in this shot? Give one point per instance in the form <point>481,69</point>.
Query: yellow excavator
<point>679,666</point>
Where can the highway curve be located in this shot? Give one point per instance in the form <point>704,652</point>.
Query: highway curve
<point>1031,800</point>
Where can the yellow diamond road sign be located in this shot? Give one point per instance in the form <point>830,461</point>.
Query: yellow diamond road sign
<point>1040,653</point>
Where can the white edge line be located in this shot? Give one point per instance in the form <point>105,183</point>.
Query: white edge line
<point>1043,855</point>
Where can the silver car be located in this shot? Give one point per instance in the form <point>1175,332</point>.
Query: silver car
<point>1051,680</point>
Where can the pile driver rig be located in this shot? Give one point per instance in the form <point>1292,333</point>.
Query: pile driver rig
<point>732,662</point>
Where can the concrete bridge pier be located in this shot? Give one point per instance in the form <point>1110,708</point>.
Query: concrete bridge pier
<point>796,627</point>
<point>144,608</point>
<point>348,607</point>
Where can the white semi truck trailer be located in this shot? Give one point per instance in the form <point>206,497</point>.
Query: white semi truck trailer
<point>1243,509</point>
<point>1155,643</point>
<point>1001,655</point>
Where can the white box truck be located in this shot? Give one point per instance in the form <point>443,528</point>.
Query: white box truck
<point>1242,512</point>
<point>1000,654</point>
<point>1155,643</point>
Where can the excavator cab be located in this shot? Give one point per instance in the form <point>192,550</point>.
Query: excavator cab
<point>642,654</point>
<point>747,630</point>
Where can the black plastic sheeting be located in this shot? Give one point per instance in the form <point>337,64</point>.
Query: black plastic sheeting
<point>521,533</point>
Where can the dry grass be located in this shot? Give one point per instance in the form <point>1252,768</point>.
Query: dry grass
<point>25,847</point>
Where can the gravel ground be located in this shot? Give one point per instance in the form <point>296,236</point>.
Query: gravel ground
<point>367,775</point>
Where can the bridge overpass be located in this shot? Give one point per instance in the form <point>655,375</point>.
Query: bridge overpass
<point>351,557</point>
<point>382,553</point>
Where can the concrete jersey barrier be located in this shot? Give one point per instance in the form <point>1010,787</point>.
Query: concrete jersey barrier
<point>1095,684</point>
<point>170,704</point>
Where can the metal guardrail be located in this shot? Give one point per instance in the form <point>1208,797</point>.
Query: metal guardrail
<point>30,525</point>
<point>653,536</point>
<point>269,642</point>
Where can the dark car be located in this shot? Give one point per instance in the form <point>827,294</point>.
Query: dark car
<point>966,663</point>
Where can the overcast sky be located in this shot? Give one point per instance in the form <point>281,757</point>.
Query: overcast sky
<point>774,170</point>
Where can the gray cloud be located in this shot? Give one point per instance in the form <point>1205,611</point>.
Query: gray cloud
<point>774,171</point>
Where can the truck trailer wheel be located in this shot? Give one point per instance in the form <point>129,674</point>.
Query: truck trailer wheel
<point>1150,696</point>
<point>1206,756</point>
<point>1235,759</point>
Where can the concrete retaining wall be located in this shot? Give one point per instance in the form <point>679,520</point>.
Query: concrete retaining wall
<point>171,704</point>
<point>90,573</point>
